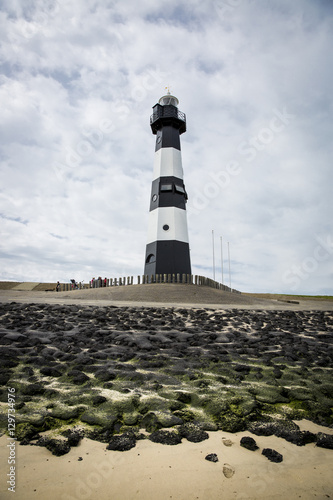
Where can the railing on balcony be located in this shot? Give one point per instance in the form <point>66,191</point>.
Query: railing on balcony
<point>167,112</point>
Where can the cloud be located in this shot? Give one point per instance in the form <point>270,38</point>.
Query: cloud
<point>78,84</point>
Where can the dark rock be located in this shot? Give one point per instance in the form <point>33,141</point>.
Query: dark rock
<point>77,377</point>
<point>325,440</point>
<point>73,436</point>
<point>9,363</point>
<point>28,371</point>
<point>242,369</point>
<point>249,443</point>
<point>98,400</point>
<point>57,447</point>
<point>184,397</point>
<point>50,371</point>
<point>285,429</point>
<point>193,433</point>
<point>4,377</point>
<point>105,375</point>
<point>122,442</point>
<point>101,435</point>
<point>272,455</point>
<point>15,336</point>
<point>32,389</point>
<point>165,437</point>
<point>212,457</point>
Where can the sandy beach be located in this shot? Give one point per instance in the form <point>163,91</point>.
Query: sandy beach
<point>161,364</point>
<point>153,471</point>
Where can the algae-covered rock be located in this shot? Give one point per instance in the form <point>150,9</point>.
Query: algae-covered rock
<point>98,400</point>
<point>25,431</point>
<point>232,423</point>
<point>35,389</point>
<point>185,414</point>
<point>168,419</point>
<point>77,377</point>
<point>300,394</point>
<point>52,371</point>
<point>153,404</point>
<point>184,397</point>
<point>150,422</point>
<point>65,412</point>
<point>270,394</point>
<point>36,418</point>
<point>104,420</point>
<point>131,418</point>
<point>216,406</point>
<point>242,406</point>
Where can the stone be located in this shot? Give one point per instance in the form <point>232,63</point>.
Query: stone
<point>165,437</point>
<point>272,455</point>
<point>57,447</point>
<point>249,443</point>
<point>193,433</point>
<point>325,440</point>
<point>122,442</point>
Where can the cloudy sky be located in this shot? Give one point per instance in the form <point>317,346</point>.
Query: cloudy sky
<point>254,77</point>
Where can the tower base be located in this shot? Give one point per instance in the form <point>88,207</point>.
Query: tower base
<point>167,257</point>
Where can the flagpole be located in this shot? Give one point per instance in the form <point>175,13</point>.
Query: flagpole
<point>213,255</point>
<point>229,266</point>
<point>221,259</point>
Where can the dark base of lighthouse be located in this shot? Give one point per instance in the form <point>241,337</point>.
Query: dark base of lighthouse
<point>167,257</point>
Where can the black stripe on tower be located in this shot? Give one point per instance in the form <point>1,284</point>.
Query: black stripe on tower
<point>167,137</point>
<point>173,257</point>
<point>168,192</point>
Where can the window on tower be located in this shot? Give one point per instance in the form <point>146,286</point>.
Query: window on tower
<point>150,258</point>
<point>179,189</point>
<point>166,187</point>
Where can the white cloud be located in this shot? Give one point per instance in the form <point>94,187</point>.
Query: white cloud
<point>77,86</point>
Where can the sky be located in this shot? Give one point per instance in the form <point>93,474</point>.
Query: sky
<point>77,84</point>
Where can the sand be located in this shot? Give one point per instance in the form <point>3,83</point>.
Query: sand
<point>161,472</point>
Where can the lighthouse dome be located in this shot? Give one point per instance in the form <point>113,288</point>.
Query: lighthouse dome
<point>169,99</point>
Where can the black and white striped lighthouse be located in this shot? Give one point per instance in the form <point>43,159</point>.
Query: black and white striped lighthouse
<point>167,250</point>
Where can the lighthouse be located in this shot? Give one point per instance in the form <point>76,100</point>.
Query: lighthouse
<point>167,250</point>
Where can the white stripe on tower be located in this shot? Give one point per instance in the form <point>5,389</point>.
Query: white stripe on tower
<point>174,218</point>
<point>167,250</point>
<point>168,162</point>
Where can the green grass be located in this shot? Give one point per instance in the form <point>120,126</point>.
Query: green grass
<point>288,297</point>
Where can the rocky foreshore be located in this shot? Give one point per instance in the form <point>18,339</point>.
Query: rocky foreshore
<point>119,374</point>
